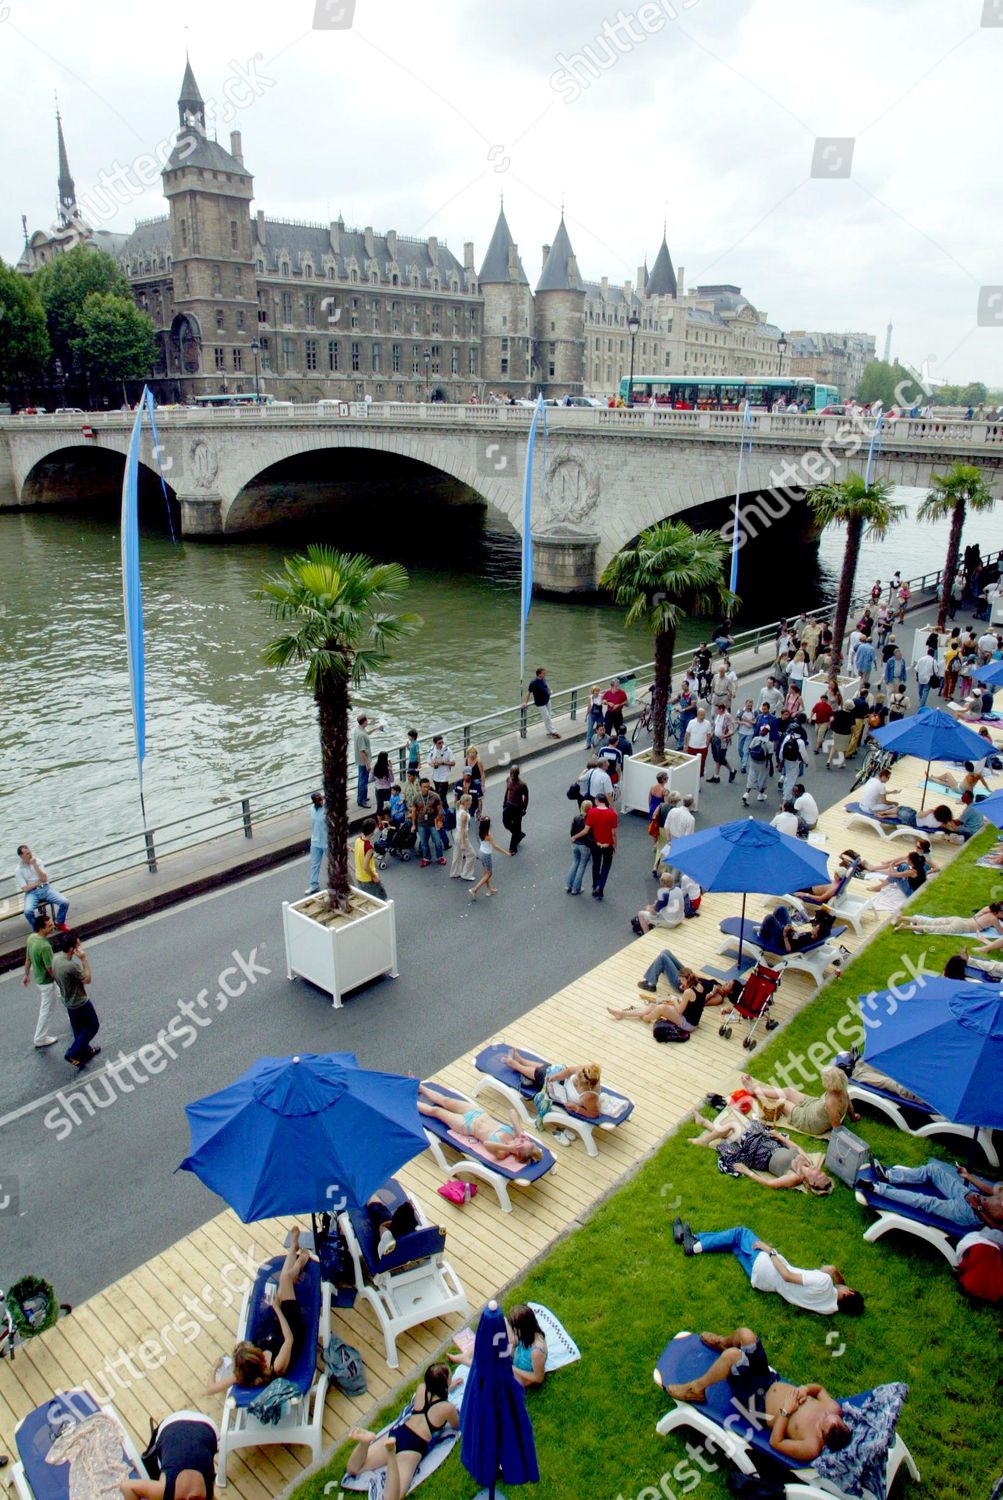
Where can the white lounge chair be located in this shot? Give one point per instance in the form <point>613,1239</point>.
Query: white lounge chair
<point>942,1234</point>
<point>303,1419</point>
<point>478,1164</point>
<point>519,1094</point>
<point>411,1285</point>
<point>52,1424</point>
<point>928,1121</point>
<point>888,832</point>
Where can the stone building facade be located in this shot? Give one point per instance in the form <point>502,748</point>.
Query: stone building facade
<point>305,311</point>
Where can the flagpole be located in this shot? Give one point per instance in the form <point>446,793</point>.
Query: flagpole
<point>132,595</point>
<point>746,420</point>
<point>526,591</point>
<point>878,423</point>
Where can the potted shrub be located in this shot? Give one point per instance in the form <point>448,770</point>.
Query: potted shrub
<point>669,572</point>
<point>339,612</point>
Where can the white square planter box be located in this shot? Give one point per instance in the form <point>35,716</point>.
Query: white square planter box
<point>348,953</point>
<point>919,640</point>
<point>639,773</point>
<point>813,688</point>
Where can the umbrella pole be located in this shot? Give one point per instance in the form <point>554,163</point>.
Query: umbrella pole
<point>741,936</point>
<point>926,778</point>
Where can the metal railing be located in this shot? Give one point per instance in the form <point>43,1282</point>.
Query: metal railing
<point>811,428</point>
<point>146,848</point>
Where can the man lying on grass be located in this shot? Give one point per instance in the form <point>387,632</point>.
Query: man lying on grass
<point>824,1291</point>
<point>803,1419</point>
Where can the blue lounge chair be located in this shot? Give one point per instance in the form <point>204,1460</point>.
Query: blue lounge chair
<point>812,961</point>
<point>303,1419</point>
<point>519,1093</point>
<point>942,1234</point>
<point>411,1285</point>
<point>52,1424</point>
<point>726,1426</point>
<point>478,1165</point>
<point>919,1119</point>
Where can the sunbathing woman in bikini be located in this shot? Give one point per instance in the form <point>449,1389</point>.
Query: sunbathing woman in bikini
<point>574,1089</point>
<point>407,1442</point>
<point>496,1139</point>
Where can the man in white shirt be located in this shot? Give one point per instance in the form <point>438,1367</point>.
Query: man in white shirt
<point>680,821</point>
<point>595,782</point>
<point>824,1291</point>
<point>442,761</point>
<point>926,667</point>
<point>697,737</point>
<point>33,883</point>
<point>786,821</point>
<point>987,644</point>
<point>771,697</point>
<point>874,798</point>
<point>805,806</point>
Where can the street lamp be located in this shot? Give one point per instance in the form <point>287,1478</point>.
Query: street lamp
<point>428,362</point>
<point>255,346</point>
<point>781,351</point>
<point>633,324</point>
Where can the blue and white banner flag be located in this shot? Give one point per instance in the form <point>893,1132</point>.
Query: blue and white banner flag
<point>526,597</point>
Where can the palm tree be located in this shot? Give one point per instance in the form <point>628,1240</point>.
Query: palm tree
<point>669,572</point>
<point>339,608</point>
<point>862,509</point>
<point>961,489</point>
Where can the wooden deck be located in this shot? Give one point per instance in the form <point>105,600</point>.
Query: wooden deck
<point>171,1341</point>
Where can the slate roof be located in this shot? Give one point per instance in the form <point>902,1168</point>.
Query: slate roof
<point>150,238</point>
<point>661,281</point>
<point>300,240</point>
<point>205,153</point>
<point>614,296</point>
<point>495,267</point>
<point>555,276</point>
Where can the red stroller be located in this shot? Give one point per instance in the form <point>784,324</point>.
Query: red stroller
<point>753,1004</point>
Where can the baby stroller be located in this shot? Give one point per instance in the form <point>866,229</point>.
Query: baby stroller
<point>398,839</point>
<point>753,1004</point>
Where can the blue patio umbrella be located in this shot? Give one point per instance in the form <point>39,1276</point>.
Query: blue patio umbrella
<point>992,808</point>
<point>296,1135</point>
<point>931,735</point>
<point>991,674</point>
<point>749,856</point>
<point>945,1044</point>
<point>496,1433</point>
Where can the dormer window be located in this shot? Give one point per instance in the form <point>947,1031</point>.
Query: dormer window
<point>283,268</point>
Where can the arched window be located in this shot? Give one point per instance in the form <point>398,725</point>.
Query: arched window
<point>284,268</point>
<point>353,275</point>
<point>260,266</point>
<point>395,279</point>
<point>307,270</point>
<point>331,272</point>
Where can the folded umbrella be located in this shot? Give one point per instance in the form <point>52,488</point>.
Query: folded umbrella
<point>297,1135</point>
<point>496,1433</point>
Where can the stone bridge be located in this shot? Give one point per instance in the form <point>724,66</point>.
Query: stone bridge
<point>602,475</point>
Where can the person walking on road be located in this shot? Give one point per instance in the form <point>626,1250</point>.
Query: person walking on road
<point>442,761</point>
<point>757,778</point>
<point>601,822</point>
<point>581,849</point>
<point>362,745</point>
<point>38,966</point>
<point>515,802</point>
<point>427,814</point>
<point>366,877</point>
<point>72,973</point>
<point>318,840</point>
<point>723,729</point>
<point>464,862</point>
<point>540,694</point>
<point>486,850</point>
<point>697,738</point>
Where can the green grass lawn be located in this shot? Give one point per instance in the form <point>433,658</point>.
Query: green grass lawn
<point>623,1289</point>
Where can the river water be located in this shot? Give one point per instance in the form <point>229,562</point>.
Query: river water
<point>220,723</point>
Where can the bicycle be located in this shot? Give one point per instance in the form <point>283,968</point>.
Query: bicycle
<point>876,760</point>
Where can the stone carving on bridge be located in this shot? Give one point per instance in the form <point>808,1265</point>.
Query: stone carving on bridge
<point>203,464</point>
<point>571,490</point>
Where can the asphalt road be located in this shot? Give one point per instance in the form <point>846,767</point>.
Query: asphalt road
<point>87,1183</point>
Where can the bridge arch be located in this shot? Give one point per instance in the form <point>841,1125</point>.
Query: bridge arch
<point>79,470</point>
<point>321,469</point>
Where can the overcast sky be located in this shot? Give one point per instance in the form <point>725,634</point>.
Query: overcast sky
<point>416,118</point>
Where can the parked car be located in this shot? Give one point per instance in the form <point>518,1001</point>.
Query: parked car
<point>835,411</point>
<point>66,411</point>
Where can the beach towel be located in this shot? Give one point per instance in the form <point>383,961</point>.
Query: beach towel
<point>871,1420</point>
<point>93,1451</point>
<point>473,1147</point>
<point>561,1347</point>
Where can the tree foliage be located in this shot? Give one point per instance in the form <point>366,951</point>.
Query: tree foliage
<point>862,509</point>
<point>24,342</point>
<point>64,286</point>
<point>953,494</point>
<point>115,341</point>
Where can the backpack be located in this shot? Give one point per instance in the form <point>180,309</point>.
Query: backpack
<point>791,749</point>
<point>345,1367</point>
<point>757,750</point>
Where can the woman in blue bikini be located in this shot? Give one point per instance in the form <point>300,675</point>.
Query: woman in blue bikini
<point>408,1441</point>
<point>497,1139</point>
<point>527,1345</point>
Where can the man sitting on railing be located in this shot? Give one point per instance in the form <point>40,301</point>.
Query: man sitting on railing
<point>34,882</point>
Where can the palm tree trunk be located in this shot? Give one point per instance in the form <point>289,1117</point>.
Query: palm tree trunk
<point>333,704</point>
<point>951,562</point>
<point>665,646</point>
<point>854,531</point>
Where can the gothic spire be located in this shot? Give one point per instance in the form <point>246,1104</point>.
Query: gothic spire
<point>191,105</point>
<point>67,190</point>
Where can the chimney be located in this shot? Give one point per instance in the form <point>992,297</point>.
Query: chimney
<point>680,280</point>
<point>573,280</point>
<point>513,262</point>
<point>604,284</point>
<point>544,252</point>
<point>433,249</point>
<point>367,238</point>
<point>236,149</point>
<point>468,255</point>
<point>392,243</point>
<point>641,278</point>
<point>628,291</point>
<point>259,219</point>
<point>335,235</point>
